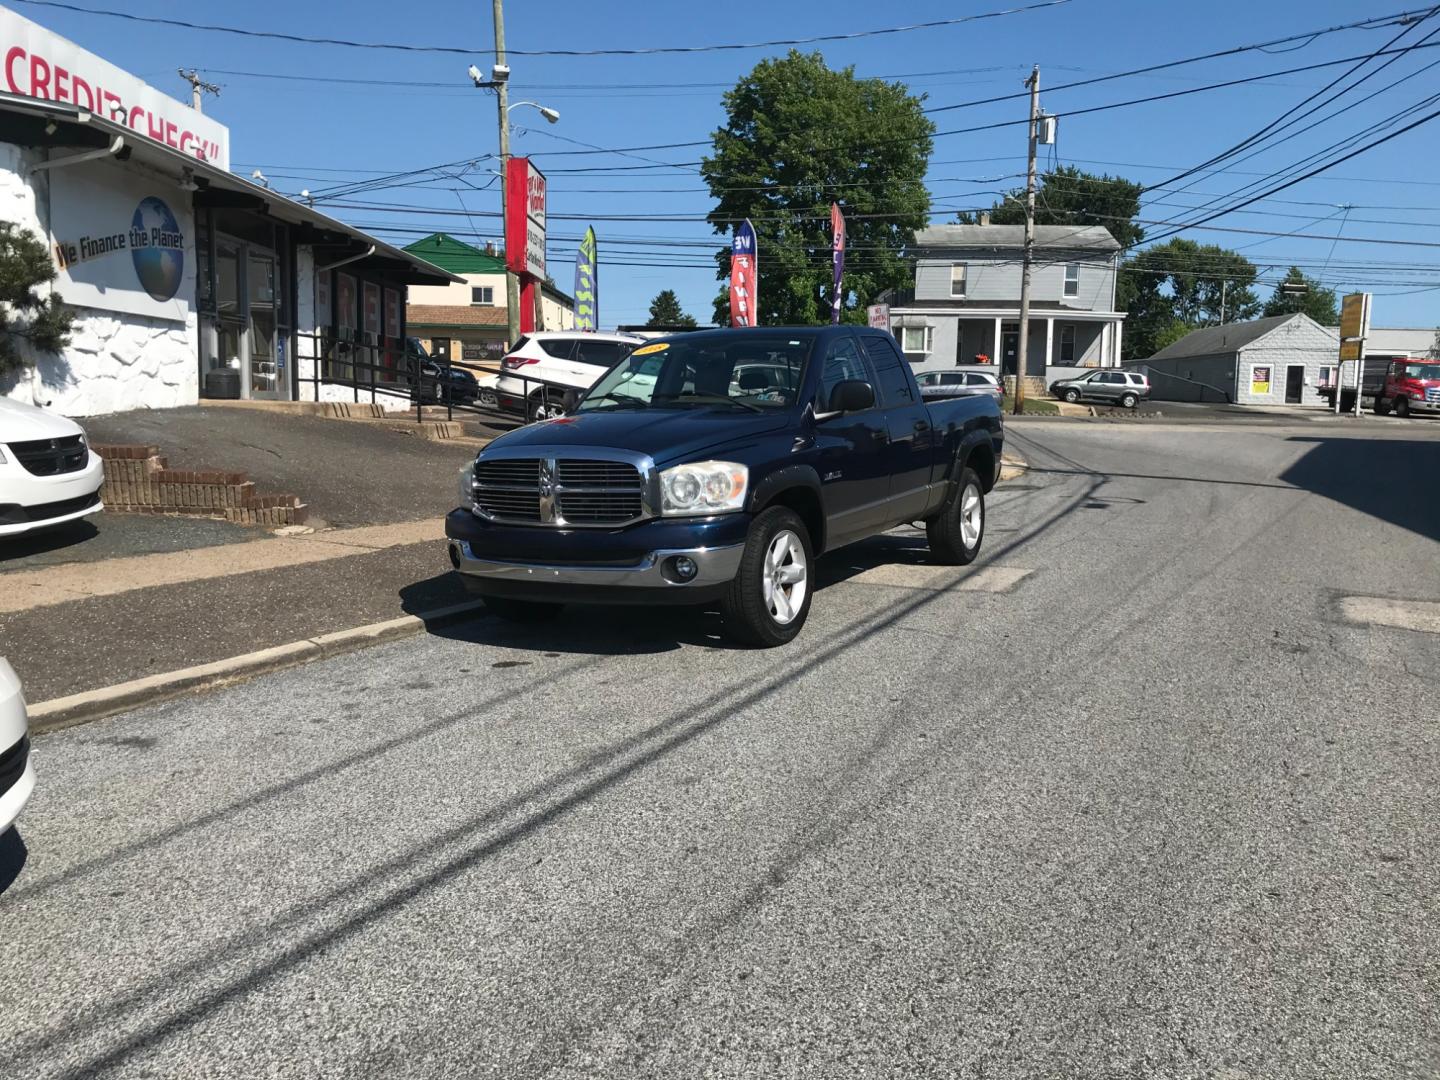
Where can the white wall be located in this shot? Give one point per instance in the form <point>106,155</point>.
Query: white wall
<point>115,361</point>
<point>1300,343</point>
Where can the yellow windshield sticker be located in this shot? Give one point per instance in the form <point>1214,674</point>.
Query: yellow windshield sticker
<point>646,350</point>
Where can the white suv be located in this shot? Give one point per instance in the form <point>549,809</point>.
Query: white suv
<point>544,366</point>
<point>17,771</point>
<point>48,474</point>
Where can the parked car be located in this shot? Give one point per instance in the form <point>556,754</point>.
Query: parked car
<point>959,383</point>
<point>545,370</point>
<point>1114,387</point>
<point>48,473</point>
<point>17,771</point>
<point>714,467</point>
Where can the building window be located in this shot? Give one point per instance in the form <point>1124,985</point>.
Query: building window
<point>1072,279</point>
<point>916,340</point>
<point>482,294</point>
<point>1067,343</point>
<point>957,279</point>
<point>1326,377</point>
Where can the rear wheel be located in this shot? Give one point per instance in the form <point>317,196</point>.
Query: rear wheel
<point>521,611</point>
<point>957,531</point>
<point>1402,407</point>
<point>1382,407</point>
<point>1072,395</point>
<point>1128,401</point>
<point>769,600</point>
<point>547,405</point>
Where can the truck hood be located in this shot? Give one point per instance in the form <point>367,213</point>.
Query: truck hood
<point>666,435</point>
<point>22,423</point>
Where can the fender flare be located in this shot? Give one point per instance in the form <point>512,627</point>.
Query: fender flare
<point>789,478</point>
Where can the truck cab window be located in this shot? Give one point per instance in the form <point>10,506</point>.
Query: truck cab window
<point>843,363</point>
<point>892,380</point>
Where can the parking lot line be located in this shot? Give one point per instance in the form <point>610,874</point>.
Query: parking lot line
<point>1419,615</point>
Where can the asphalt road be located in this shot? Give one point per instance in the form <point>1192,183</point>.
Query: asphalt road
<point>1152,809</point>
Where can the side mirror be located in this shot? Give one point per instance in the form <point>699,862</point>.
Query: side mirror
<point>570,399</point>
<point>852,395</point>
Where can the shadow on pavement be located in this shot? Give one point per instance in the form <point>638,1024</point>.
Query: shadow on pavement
<point>1390,479</point>
<point>13,854</point>
<point>44,541</point>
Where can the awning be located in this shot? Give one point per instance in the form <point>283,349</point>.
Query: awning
<point>61,126</point>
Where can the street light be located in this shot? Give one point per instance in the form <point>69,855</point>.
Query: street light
<point>499,81</point>
<point>553,115</point>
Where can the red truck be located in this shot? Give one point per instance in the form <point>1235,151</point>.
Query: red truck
<point>1402,386</point>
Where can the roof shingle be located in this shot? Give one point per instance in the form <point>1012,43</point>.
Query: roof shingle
<point>455,315</point>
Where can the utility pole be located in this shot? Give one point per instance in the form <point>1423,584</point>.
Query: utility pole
<point>1224,287</point>
<point>1023,351</point>
<point>198,87</point>
<point>502,98</point>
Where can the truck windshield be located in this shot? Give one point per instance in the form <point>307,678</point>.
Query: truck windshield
<point>744,371</point>
<point>1422,371</point>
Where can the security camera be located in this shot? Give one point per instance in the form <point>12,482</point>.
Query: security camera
<point>475,75</point>
<point>500,73</point>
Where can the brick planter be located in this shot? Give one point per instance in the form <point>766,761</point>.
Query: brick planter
<point>138,481</point>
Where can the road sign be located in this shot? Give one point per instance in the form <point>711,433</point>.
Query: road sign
<point>1350,350</point>
<point>1355,317</point>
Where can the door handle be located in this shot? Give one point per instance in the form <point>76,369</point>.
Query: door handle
<point>922,425</point>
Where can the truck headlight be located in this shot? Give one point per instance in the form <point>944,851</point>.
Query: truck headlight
<point>467,486</point>
<point>705,487</point>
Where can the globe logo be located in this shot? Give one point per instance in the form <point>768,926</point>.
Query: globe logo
<point>158,247</point>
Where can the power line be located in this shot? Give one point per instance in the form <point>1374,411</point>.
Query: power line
<point>453,50</point>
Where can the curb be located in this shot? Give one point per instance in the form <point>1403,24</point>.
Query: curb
<point>64,712</point>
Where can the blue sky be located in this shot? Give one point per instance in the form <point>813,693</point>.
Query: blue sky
<point>312,134</point>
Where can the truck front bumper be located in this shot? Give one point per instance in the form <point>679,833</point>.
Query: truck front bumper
<point>654,562</point>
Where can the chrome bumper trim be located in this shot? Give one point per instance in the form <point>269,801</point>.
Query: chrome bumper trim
<point>717,566</point>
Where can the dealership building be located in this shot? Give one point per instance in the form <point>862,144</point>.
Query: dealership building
<point>186,281</point>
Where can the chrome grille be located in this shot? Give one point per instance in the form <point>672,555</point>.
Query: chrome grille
<point>560,492</point>
<point>508,489</point>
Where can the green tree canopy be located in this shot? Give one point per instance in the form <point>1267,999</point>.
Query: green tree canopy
<point>1317,301</point>
<point>1071,196</point>
<point>25,315</point>
<point>797,137</point>
<point>665,310</point>
<point>1178,286</point>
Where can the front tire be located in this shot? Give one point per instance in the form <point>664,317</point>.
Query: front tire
<point>957,531</point>
<point>1402,408</point>
<point>1382,407</point>
<point>521,611</point>
<point>1072,395</point>
<point>769,600</point>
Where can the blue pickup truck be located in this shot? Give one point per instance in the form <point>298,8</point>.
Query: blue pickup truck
<point>713,468</point>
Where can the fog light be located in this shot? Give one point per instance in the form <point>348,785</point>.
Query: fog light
<point>680,569</point>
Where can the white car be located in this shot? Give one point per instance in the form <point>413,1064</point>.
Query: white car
<point>48,473</point>
<point>544,366</point>
<point>958,384</point>
<point>17,771</point>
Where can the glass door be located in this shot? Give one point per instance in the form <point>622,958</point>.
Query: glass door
<point>265,380</point>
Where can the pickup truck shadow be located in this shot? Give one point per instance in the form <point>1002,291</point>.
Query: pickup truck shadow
<point>1389,479</point>
<point>622,630</point>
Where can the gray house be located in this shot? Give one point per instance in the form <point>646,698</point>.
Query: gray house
<point>966,302</point>
<point>1282,360</point>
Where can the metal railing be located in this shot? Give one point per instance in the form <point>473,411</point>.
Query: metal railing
<point>390,377</point>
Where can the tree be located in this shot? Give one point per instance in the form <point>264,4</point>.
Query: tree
<point>1316,301</point>
<point>1178,286</point>
<point>1070,196</point>
<point>797,137</point>
<point>26,317</point>
<point>665,310</point>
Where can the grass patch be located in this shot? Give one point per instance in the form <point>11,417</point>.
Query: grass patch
<point>1033,407</point>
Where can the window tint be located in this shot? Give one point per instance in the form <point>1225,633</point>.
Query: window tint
<point>892,382</point>
<point>842,364</point>
<point>1138,380</point>
<point>604,354</point>
<point>559,348</point>
<point>1112,377</point>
